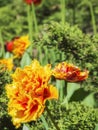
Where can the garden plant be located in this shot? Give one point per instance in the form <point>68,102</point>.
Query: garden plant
<point>49,65</point>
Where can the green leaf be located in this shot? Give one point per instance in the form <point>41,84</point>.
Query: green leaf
<point>71,88</point>
<point>8,55</point>
<point>26,60</point>
<point>44,122</point>
<point>90,100</point>
<point>96,128</point>
<point>25,127</point>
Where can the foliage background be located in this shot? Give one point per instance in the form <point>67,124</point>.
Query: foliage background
<point>76,42</point>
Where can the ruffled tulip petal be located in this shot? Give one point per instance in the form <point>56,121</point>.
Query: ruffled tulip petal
<point>50,93</point>
<point>29,91</point>
<point>69,72</point>
<point>8,63</point>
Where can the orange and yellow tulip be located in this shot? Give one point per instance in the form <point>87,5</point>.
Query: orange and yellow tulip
<point>29,91</point>
<point>69,72</point>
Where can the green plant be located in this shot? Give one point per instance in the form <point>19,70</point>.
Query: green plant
<point>76,47</point>
<point>77,117</point>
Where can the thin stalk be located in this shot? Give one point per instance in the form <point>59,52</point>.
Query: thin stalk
<point>30,28</point>
<point>59,87</point>
<point>65,102</point>
<point>44,122</point>
<point>92,18</point>
<point>52,120</point>
<point>40,57</point>
<point>60,83</point>
<point>2,52</point>
<point>63,11</point>
<point>45,55</point>
<point>61,91</point>
<point>74,11</point>
<point>34,18</point>
<point>30,25</point>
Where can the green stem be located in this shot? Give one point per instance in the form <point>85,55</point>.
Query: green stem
<point>2,52</point>
<point>44,122</point>
<point>59,87</point>
<point>34,18</point>
<point>93,18</point>
<point>30,28</point>
<point>74,11</point>
<point>65,102</point>
<point>63,11</point>
<point>30,25</point>
<point>25,127</point>
<point>49,114</point>
<point>39,47</point>
<point>45,54</point>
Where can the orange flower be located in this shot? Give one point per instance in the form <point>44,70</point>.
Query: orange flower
<point>28,92</point>
<point>69,72</point>
<point>18,46</point>
<point>35,2</point>
<point>8,63</point>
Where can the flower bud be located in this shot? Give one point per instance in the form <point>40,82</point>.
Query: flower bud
<point>9,46</point>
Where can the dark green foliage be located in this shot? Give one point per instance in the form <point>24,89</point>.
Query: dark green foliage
<point>80,117</point>
<point>13,19</point>
<point>48,10</point>
<point>56,43</point>
<point>77,117</point>
<point>4,119</point>
<point>79,48</point>
<point>4,78</point>
<point>4,2</point>
<point>13,15</point>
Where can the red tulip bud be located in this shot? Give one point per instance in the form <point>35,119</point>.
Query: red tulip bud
<point>35,2</point>
<point>9,46</point>
<point>28,1</point>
